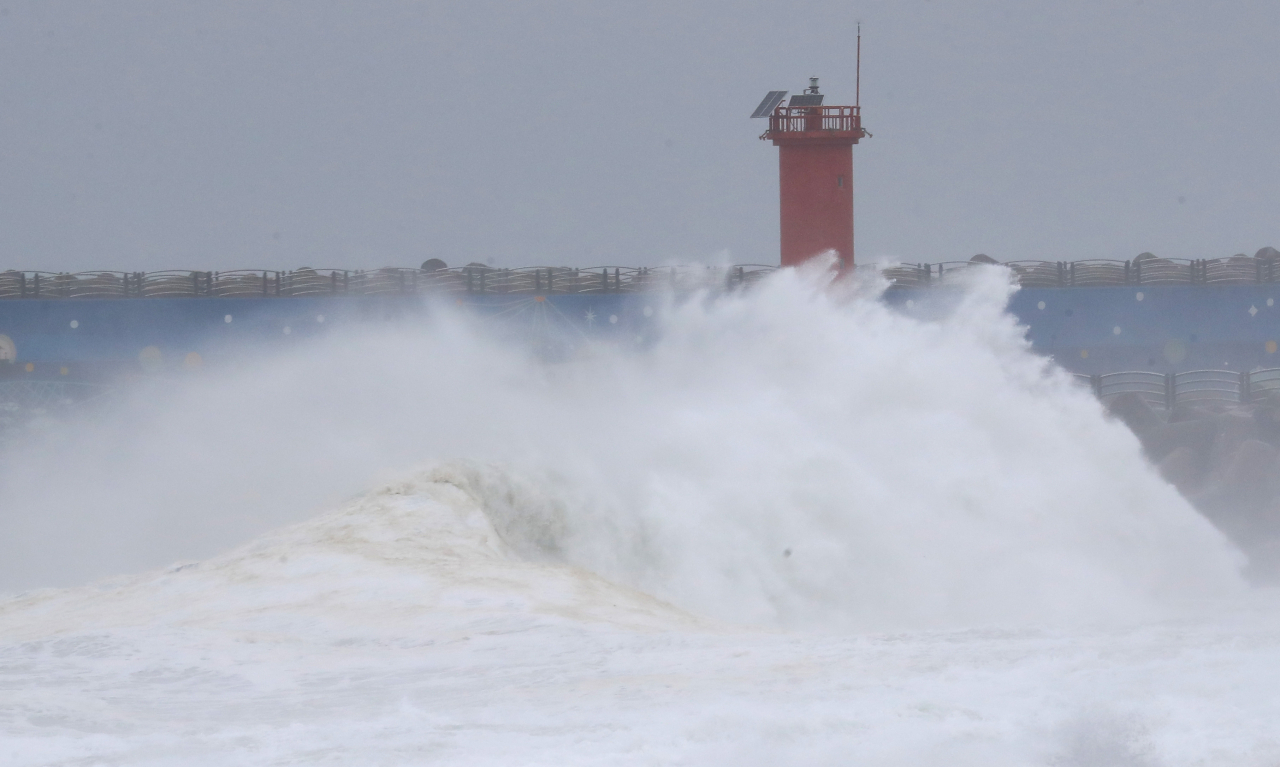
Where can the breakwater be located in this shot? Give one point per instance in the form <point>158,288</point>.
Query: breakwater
<point>1093,317</point>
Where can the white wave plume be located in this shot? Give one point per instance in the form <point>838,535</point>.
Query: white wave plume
<point>792,455</point>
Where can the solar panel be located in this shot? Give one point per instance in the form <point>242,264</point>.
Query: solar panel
<point>772,100</point>
<point>806,100</point>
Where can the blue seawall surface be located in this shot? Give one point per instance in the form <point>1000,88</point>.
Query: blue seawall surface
<point>1160,328</point>
<point>91,338</point>
<point>1168,328</point>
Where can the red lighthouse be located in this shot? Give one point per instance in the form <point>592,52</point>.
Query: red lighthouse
<point>815,172</point>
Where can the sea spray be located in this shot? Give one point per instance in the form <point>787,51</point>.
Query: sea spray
<point>795,455</point>
<point>803,458</point>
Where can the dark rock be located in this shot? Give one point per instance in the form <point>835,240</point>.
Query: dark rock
<point>1225,459</point>
<point>1135,413</point>
<point>1266,417</point>
<point>982,258</point>
<point>1185,411</point>
<point>1199,436</point>
<point>1183,469</point>
<point>433,265</point>
<point>1234,428</point>
<point>1243,499</point>
<point>1198,431</point>
<point>1268,253</point>
<point>1252,468</point>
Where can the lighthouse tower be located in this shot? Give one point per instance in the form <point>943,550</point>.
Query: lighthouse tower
<point>815,172</point>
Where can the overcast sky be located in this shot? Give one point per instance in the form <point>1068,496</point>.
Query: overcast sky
<point>146,135</point>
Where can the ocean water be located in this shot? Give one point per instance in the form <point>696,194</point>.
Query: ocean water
<point>796,527</point>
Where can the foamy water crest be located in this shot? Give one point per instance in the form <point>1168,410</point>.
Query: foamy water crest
<point>795,455</point>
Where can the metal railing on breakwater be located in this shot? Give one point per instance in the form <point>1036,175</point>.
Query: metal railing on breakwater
<point>1167,390</point>
<point>249,283</point>
<point>1236,270</point>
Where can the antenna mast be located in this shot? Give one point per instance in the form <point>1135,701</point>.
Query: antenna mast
<point>857,78</point>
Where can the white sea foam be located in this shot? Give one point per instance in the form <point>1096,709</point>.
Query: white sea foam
<point>591,560</point>
<point>403,628</point>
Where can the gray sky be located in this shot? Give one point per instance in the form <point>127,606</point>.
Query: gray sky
<point>145,135</point>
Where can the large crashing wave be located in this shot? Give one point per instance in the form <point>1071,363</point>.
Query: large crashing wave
<point>415,561</point>
<point>794,455</point>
